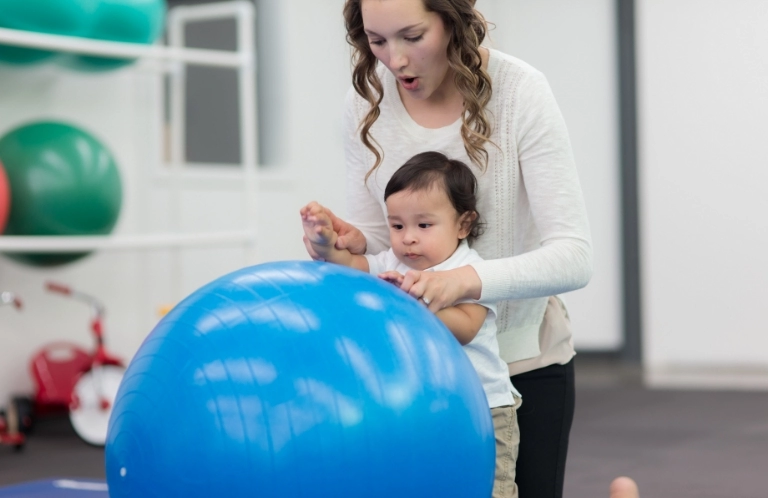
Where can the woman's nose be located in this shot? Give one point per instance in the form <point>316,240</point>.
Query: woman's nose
<point>397,58</point>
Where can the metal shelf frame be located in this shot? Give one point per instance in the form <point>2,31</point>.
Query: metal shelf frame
<point>173,58</point>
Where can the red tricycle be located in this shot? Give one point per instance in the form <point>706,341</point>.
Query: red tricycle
<point>66,377</point>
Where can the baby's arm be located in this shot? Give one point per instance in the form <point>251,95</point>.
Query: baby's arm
<point>463,320</point>
<point>318,229</point>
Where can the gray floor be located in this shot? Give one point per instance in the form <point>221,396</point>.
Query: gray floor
<point>680,444</point>
<point>674,443</point>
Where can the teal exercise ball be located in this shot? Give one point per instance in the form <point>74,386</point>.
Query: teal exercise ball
<point>132,21</point>
<point>58,17</point>
<point>63,181</point>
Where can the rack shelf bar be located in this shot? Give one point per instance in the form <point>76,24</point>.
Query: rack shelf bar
<point>55,244</point>
<point>73,44</point>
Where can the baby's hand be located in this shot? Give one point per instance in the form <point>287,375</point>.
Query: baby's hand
<point>392,277</point>
<point>318,228</point>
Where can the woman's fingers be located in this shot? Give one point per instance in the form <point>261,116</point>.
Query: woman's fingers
<point>416,283</point>
<point>354,243</point>
<point>410,279</point>
<point>436,289</point>
<point>350,237</point>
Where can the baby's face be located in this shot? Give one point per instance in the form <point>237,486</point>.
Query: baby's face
<point>424,228</point>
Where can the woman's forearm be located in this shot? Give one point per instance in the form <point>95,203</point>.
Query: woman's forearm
<point>557,267</point>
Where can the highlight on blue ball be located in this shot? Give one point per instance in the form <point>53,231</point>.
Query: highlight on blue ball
<point>300,379</point>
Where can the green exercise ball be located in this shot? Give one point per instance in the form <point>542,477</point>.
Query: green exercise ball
<point>60,17</point>
<point>64,181</point>
<point>133,21</point>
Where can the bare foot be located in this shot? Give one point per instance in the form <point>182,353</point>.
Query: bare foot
<point>624,487</point>
<point>318,227</point>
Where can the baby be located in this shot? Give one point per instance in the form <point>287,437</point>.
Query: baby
<point>432,216</point>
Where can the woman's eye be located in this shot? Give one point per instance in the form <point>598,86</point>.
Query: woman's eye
<point>378,43</point>
<point>414,39</point>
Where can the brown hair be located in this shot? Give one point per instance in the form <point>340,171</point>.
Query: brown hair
<point>467,28</point>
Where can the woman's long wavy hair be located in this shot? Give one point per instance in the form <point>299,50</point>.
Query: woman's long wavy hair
<point>467,28</point>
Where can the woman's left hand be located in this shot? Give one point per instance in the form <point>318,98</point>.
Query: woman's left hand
<point>441,289</point>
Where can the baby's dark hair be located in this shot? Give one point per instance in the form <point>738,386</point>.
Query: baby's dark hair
<point>433,169</point>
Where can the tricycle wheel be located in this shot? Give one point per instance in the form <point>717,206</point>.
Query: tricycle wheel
<point>92,401</point>
<point>24,407</point>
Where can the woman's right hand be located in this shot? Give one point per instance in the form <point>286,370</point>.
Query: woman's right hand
<point>349,237</point>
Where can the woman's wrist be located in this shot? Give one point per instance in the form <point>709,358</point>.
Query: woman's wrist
<point>471,285</point>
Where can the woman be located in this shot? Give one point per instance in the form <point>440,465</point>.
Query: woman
<point>422,81</point>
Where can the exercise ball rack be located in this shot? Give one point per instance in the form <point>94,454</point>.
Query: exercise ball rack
<point>173,59</point>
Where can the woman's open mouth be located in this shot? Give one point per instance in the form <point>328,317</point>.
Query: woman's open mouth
<point>409,84</point>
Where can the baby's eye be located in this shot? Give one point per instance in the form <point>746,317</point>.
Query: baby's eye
<point>425,225</point>
<point>397,227</point>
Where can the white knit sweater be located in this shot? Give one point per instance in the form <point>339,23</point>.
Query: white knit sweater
<point>536,241</point>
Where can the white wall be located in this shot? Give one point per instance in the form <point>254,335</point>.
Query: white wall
<point>574,44</point>
<point>703,75</point>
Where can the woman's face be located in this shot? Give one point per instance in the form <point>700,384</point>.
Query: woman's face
<point>411,42</point>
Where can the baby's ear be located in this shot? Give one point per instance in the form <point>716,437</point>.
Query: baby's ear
<point>465,223</point>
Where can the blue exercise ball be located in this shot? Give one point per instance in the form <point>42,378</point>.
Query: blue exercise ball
<point>300,379</point>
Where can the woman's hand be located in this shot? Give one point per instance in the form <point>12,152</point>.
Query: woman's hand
<point>440,289</point>
<point>350,238</point>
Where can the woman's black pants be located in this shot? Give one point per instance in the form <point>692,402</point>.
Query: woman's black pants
<point>545,423</point>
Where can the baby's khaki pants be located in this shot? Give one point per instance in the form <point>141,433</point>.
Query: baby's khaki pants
<point>507,444</point>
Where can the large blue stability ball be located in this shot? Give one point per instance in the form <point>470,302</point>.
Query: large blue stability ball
<point>300,379</point>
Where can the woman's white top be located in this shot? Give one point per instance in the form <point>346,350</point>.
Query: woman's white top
<point>483,350</point>
<point>537,241</point>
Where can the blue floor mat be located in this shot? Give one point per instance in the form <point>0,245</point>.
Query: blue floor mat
<point>57,488</point>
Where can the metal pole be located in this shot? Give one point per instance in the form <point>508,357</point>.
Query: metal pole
<point>630,236</point>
